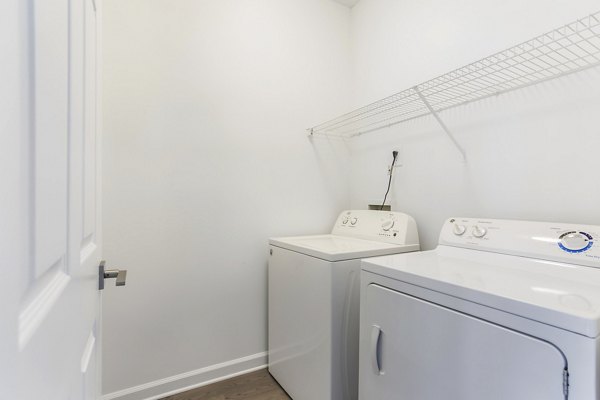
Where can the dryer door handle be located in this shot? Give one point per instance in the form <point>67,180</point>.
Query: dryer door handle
<point>376,349</point>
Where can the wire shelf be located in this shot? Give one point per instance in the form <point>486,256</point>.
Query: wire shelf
<point>563,51</point>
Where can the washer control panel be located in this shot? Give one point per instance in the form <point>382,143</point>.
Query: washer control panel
<point>570,243</point>
<point>382,226</point>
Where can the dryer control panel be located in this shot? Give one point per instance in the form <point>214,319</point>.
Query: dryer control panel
<point>381,226</point>
<point>571,243</point>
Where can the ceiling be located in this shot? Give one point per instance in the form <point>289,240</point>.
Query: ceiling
<point>347,3</point>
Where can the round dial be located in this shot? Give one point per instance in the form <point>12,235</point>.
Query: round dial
<point>387,225</point>
<point>479,232</point>
<point>354,220</point>
<point>575,242</point>
<point>459,229</point>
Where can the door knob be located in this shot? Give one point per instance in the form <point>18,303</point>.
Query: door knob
<point>120,274</point>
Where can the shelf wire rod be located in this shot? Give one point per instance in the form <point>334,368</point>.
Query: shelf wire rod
<point>461,92</point>
<point>455,83</point>
<point>439,110</point>
<point>417,109</point>
<point>495,93</point>
<point>474,78</point>
<point>556,53</point>
<point>387,125</point>
<point>527,78</point>
<point>493,75</point>
<point>439,99</point>
<point>520,78</point>
<point>533,59</point>
<point>494,86</point>
<point>405,116</point>
<point>339,120</point>
<point>392,114</point>
<point>462,85</point>
<point>584,49</point>
<point>363,109</point>
<point>537,81</point>
<point>349,128</point>
<point>461,103</point>
<point>378,111</point>
<point>583,40</point>
<point>466,78</point>
<point>452,94</point>
<point>567,49</point>
<point>479,76</point>
<point>509,90</point>
<point>480,83</point>
<point>513,57</point>
<point>577,43</point>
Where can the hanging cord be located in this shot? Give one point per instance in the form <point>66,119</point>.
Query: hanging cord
<point>395,154</point>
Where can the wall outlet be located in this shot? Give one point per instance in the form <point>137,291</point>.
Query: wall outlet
<point>398,160</point>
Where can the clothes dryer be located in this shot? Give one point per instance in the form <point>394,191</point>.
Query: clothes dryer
<point>499,310</point>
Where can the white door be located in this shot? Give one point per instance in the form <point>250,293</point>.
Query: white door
<point>413,349</point>
<point>51,235</point>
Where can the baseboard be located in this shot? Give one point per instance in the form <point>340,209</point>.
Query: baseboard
<point>191,380</point>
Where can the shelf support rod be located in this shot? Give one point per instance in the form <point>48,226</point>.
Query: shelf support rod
<point>441,122</point>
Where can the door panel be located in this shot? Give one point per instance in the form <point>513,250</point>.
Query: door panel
<point>48,278</point>
<point>50,122</point>
<point>58,318</point>
<point>412,349</point>
<point>89,140</point>
<point>89,238</point>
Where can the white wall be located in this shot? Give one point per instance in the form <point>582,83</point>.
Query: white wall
<point>531,154</point>
<point>205,156</point>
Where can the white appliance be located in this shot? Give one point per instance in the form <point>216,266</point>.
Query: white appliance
<point>314,301</point>
<point>499,310</point>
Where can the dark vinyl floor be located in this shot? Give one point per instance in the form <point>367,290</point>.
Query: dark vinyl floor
<point>257,385</point>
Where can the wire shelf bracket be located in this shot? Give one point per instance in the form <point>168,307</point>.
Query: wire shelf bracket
<point>441,122</point>
<point>571,48</point>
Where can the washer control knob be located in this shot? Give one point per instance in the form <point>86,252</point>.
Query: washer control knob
<point>354,220</point>
<point>479,232</point>
<point>345,221</point>
<point>387,225</point>
<point>459,229</point>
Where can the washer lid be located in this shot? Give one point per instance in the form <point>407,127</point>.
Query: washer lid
<point>563,295</point>
<point>339,248</point>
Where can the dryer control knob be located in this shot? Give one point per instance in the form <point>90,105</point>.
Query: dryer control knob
<point>575,242</point>
<point>459,229</point>
<point>354,220</point>
<point>479,232</point>
<point>387,225</point>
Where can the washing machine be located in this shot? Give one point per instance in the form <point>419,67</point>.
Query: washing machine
<point>499,310</point>
<point>314,301</point>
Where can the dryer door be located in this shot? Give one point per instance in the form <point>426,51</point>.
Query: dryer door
<point>413,349</point>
